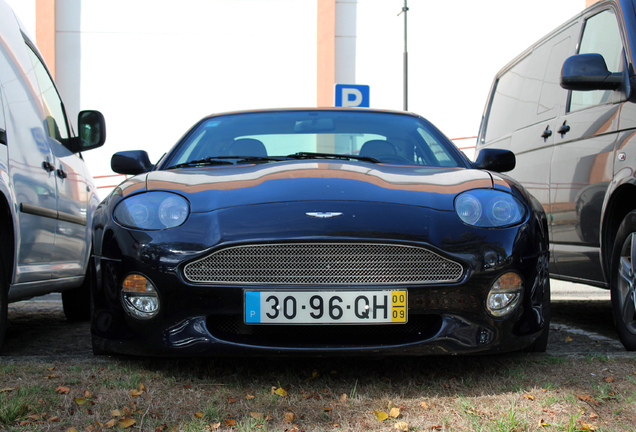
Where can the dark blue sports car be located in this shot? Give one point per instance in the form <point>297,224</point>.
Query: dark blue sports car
<point>322,232</point>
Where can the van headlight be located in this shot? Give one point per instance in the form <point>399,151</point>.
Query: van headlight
<point>489,208</point>
<point>152,211</point>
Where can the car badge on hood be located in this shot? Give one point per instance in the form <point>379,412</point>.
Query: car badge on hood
<point>323,215</point>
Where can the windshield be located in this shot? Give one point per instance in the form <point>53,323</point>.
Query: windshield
<point>281,135</point>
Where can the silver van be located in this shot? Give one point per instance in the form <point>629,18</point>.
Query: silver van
<point>567,108</point>
<point>47,195</point>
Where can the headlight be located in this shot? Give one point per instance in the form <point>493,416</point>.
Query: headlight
<point>152,211</point>
<point>504,295</point>
<point>139,296</point>
<point>489,208</point>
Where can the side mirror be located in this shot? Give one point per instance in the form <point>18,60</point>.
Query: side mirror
<point>131,162</point>
<point>496,160</point>
<point>92,131</point>
<point>589,72</point>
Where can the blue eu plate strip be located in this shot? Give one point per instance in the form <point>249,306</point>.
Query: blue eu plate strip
<point>252,307</point>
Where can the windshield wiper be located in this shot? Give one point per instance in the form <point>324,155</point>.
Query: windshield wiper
<point>219,160</point>
<point>209,161</point>
<point>311,155</point>
<point>249,159</point>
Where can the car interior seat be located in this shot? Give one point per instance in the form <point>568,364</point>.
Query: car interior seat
<point>247,147</point>
<point>375,148</point>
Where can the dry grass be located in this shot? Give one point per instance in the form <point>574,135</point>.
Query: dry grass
<point>503,393</point>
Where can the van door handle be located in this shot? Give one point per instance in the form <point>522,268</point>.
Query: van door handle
<point>61,173</point>
<point>48,166</point>
<point>546,133</point>
<point>564,128</point>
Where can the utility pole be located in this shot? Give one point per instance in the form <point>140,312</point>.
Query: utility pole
<point>404,11</point>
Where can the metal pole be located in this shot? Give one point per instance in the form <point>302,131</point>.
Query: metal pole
<point>405,10</point>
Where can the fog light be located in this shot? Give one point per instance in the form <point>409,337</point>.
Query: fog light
<point>504,295</point>
<point>139,296</point>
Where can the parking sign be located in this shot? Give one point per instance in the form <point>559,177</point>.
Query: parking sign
<point>352,95</point>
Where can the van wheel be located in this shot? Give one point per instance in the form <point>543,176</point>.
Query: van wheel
<point>623,282</point>
<point>4,305</point>
<point>77,302</point>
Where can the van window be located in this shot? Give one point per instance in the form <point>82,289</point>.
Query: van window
<point>528,93</point>
<point>506,102</point>
<point>551,88</point>
<point>601,36</point>
<point>55,117</point>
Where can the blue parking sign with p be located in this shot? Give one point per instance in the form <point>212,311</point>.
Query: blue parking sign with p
<point>352,95</point>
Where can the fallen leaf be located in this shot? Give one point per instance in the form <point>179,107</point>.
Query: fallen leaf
<point>215,425</point>
<point>403,426</point>
<point>62,390</point>
<point>569,339</point>
<point>71,429</point>
<point>111,423</point>
<point>381,415</point>
<point>528,396</point>
<point>424,405</point>
<point>289,417</point>
<point>198,414</point>
<point>230,422</point>
<point>327,409</point>
<point>257,416</point>
<point>343,397</point>
<point>249,397</point>
<point>135,393</point>
<point>593,416</point>
<point>116,413</point>
<point>53,419</point>
<point>395,412</point>
<point>584,398</point>
<point>126,422</point>
<point>609,379</point>
<point>80,400</point>
<point>586,427</point>
<point>7,389</point>
<point>280,392</point>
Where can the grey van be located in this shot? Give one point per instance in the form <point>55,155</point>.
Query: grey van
<point>47,196</point>
<point>567,108</point>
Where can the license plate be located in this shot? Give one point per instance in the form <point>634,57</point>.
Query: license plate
<point>326,307</point>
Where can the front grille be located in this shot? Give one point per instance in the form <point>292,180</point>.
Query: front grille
<point>323,264</point>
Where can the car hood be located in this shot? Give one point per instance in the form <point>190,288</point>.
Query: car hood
<point>293,181</point>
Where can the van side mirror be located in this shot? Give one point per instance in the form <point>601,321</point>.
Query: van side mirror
<point>589,72</point>
<point>496,160</point>
<point>91,131</point>
<point>131,162</point>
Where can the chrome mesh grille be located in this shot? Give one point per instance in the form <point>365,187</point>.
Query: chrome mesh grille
<point>323,264</point>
